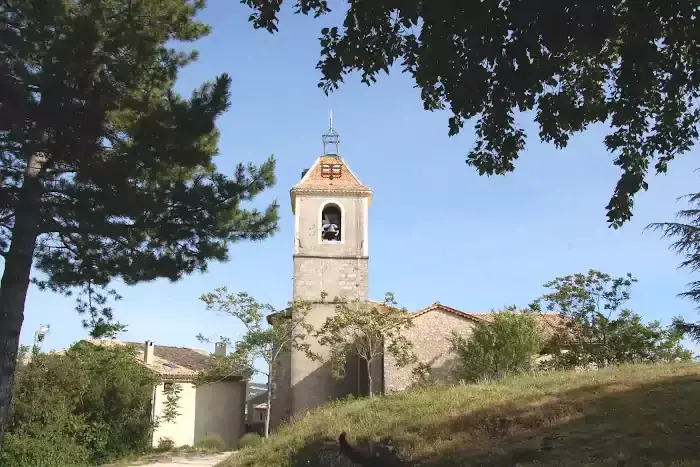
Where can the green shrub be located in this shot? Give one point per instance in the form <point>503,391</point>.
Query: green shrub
<point>98,397</point>
<point>250,439</point>
<point>211,443</point>
<point>499,348</point>
<point>166,444</point>
<point>45,449</point>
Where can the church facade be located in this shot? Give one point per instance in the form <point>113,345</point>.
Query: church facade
<point>331,254</point>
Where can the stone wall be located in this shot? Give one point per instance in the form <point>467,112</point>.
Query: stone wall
<point>430,336</point>
<point>312,381</point>
<point>342,277</point>
<point>281,407</point>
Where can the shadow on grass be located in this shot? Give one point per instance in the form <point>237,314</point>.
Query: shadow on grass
<point>606,424</point>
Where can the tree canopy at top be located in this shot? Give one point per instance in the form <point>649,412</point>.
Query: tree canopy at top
<point>630,64</point>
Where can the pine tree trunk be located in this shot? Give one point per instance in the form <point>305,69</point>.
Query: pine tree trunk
<point>14,286</point>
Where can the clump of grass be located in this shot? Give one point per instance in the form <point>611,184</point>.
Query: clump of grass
<point>642,414</point>
<point>211,443</point>
<point>250,439</point>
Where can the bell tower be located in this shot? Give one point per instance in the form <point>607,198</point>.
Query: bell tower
<point>330,206</point>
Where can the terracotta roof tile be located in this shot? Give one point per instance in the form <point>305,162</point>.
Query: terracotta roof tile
<point>549,321</point>
<point>330,173</point>
<point>462,314</point>
<point>168,361</point>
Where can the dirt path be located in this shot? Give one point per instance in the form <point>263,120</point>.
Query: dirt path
<point>181,460</point>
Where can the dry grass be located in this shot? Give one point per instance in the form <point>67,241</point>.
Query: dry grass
<point>631,415</point>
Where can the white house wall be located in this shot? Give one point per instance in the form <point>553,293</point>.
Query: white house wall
<point>219,409</point>
<point>180,430</point>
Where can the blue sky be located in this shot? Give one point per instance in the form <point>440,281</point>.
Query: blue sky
<point>438,231</point>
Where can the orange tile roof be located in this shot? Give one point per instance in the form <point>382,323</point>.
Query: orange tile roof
<point>330,174</point>
<point>550,320</point>
<point>168,362</point>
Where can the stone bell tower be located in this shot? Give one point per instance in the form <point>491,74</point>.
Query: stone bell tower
<point>330,206</point>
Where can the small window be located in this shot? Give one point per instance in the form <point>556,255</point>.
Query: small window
<point>331,223</point>
<point>262,415</point>
<point>167,386</point>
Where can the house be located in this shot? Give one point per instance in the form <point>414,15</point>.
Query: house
<point>331,254</point>
<point>256,408</point>
<point>210,409</point>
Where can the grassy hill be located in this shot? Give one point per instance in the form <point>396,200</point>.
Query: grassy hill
<point>630,415</point>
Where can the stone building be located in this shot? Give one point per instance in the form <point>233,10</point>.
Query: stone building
<point>331,254</point>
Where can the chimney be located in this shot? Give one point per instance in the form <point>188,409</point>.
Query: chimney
<point>303,172</point>
<point>220,349</point>
<point>148,352</point>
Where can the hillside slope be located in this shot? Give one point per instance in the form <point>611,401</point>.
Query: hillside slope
<point>631,415</point>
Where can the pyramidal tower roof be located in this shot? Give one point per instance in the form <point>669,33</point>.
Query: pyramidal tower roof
<point>330,175</point>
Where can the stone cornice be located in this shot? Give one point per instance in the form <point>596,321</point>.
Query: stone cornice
<point>326,256</point>
<point>328,192</point>
<point>331,192</point>
<point>194,377</point>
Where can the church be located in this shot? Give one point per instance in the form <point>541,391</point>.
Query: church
<point>331,254</point>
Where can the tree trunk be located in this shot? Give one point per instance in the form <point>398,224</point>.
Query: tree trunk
<point>269,402</point>
<point>369,377</point>
<point>15,283</point>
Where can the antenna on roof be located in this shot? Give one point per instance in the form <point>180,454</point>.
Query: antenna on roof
<point>331,139</point>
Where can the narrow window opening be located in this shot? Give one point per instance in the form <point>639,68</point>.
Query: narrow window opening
<point>331,223</point>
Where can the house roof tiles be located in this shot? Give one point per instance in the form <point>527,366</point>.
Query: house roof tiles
<point>549,321</point>
<point>169,362</point>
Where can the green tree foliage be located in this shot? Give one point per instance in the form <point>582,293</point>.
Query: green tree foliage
<point>597,330</point>
<point>270,334</point>
<point>686,234</point>
<point>629,64</point>
<point>89,405</point>
<point>171,405</point>
<point>632,341</point>
<point>106,172</point>
<point>366,330</point>
<point>505,346</point>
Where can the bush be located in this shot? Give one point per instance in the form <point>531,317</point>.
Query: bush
<point>166,444</point>
<point>211,443</point>
<point>499,348</point>
<point>45,449</point>
<point>250,439</point>
<point>97,397</point>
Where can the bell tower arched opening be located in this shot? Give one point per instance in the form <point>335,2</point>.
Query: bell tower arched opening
<point>331,223</point>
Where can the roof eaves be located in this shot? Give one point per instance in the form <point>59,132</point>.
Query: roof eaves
<point>449,309</point>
